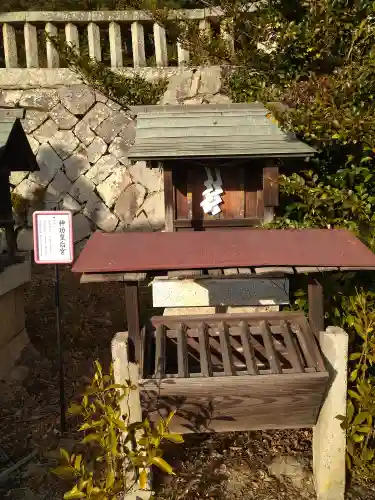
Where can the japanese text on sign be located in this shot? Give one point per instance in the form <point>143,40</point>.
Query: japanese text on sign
<point>53,238</point>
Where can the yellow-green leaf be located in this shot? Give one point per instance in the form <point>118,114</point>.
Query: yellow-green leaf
<point>75,409</point>
<point>64,471</point>
<point>174,438</point>
<point>65,455</point>
<point>162,464</point>
<point>143,479</point>
<point>73,494</point>
<point>353,375</point>
<point>90,438</point>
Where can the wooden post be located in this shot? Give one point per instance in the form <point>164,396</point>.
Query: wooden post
<point>138,45</point>
<point>93,33</point>
<point>53,60</point>
<point>10,46</point>
<point>168,199</point>
<point>31,46</point>
<point>316,306</point>
<point>160,41</point>
<point>132,317</point>
<point>270,191</point>
<point>115,45</point>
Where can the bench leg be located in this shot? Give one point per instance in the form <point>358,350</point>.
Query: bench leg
<point>329,440</point>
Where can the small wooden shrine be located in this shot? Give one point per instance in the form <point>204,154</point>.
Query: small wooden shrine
<point>219,162</point>
<point>226,372</point>
<point>223,371</point>
<point>15,156</point>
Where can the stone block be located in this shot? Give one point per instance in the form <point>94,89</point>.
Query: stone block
<point>16,177</point>
<point>69,203</point>
<point>97,115</point>
<point>59,185</point>
<point>46,131</point>
<point>77,99</point>
<point>96,150</point>
<point>102,169</point>
<point>218,292</point>
<point>153,207</point>
<point>27,189</point>
<point>119,148</point>
<point>111,126</point>
<point>63,118</point>
<point>128,132</point>
<point>140,223</point>
<point>14,277</point>
<point>82,227</point>
<point>43,99</point>
<point>128,203</point>
<point>113,186</point>
<point>220,99</point>
<point>64,142</point>
<point>82,189</point>
<point>210,81</point>
<point>49,164</point>
<point>34,144</point>
<point>84,133</point>
<point>77,164</point>
<point>100,214</point>
<point>10,98</point>
<point>329,439</point>
<point>150,178</point>
<point>33,119</point>
<point>178,88</point>
<point>25,242</point>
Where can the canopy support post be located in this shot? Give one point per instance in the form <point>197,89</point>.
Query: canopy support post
<point>316,306</point>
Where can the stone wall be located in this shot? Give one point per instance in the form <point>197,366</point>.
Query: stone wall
<point>81,140</point>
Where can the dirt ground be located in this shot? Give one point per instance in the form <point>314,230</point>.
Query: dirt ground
<point>230,466</point>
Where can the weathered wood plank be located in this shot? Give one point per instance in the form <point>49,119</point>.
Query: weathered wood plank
<point>205,358</point>
<point>242,403</point>
<point>294,357</point>
<point>185,273</point>
<point>233,271</point>
<point>132,317</point>
<point>160,352</point>
<point>271,353</point>
<point>248,350</point>
<point>182,352</point>
<point>122,277</point>
<point>316,306</point>
<point>226,353</point>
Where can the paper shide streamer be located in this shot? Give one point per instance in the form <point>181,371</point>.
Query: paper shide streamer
<point>211,195</point>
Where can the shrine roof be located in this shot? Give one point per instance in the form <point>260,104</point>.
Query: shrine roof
<point>159,251</point>
<point>216,131</point>
<point>15,151</point>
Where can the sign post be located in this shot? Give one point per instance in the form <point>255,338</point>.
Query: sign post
<point>53,244</point>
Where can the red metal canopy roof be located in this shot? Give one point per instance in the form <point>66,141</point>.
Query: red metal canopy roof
<point>130,252</point>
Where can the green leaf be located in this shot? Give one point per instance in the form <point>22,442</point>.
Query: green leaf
<point>65,455</point>
<point>360,418</point>
<point>162,464</point>
<point>355,356</point>
<point>73,494</point>
<point>353,375</point>
<point>75,409</point>
<point>64,471</point>
<point>174,438</point>
<point>91,438</point>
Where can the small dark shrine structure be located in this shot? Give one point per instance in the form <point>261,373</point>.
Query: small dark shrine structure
<point>223,371</point>
<point>15,156</point>
<point>237,142</point>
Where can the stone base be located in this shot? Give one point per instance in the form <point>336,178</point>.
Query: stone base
<point>329,440</point>
<point>10,353</point>
<point>191,311</point>
<point>13,336</point>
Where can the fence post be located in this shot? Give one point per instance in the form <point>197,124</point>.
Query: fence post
<point>329,439</point>
<point>124,371</point>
